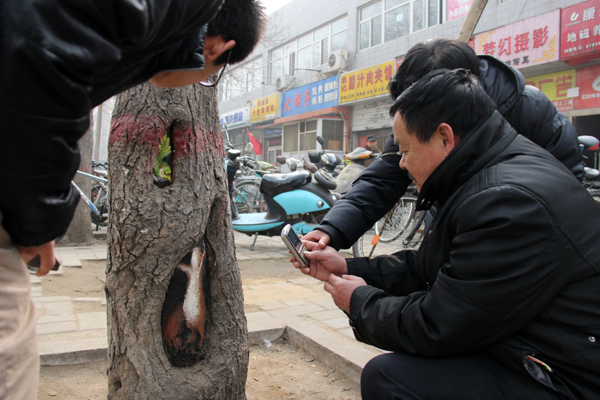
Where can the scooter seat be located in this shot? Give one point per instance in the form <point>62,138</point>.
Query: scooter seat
<point>274,184</point>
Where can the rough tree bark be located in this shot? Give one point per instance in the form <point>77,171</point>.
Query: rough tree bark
<point>80,230</point>
<point>176,324</point>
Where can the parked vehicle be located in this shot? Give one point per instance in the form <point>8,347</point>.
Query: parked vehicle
<point>591,179</point>
<point>290,198</point>
<point>328,161</point>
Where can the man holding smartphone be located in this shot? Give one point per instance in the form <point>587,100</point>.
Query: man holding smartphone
<point>501,300</point>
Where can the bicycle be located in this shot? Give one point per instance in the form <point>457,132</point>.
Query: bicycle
<point>247,196</point>
<point>387,229</point>
<point>99,204</point>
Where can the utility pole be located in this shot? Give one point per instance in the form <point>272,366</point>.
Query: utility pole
<point>471,20</point>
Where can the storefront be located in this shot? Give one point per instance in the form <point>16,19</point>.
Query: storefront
<point>234,125</point>
<point>310,111</point>
<point>366,90</point>
<point>580,48</point>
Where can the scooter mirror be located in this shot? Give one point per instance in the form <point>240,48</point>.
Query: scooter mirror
<point>321,140</point>
<point>233,154</point>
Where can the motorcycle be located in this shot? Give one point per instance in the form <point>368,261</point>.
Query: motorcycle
<point>290,198</point>
<point>327,161</point>
<point>356,161</point>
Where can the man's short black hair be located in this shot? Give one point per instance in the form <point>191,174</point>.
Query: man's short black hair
<point>429,56</point>
<point>242,21</point>
<point>454,97</point>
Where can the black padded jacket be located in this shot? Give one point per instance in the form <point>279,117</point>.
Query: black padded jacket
<point>509,267</point>
<point>58,60</point>
<point>382,184</point>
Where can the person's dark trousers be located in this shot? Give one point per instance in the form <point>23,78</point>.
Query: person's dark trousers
<point>403,376</point>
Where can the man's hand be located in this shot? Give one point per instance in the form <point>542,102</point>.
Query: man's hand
<point>341,289</point>
<point>322,262</point>
<point>319,237</point>
<point>46,252</point>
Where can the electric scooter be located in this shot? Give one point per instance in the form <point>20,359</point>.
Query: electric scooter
<point>291,198</point>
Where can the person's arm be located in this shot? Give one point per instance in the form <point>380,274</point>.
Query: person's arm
<point>503,268</point>
<point>543,124</point>
<point>374,193</point>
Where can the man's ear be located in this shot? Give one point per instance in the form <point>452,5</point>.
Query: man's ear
<point>446,134</point>
<point>214,46</point>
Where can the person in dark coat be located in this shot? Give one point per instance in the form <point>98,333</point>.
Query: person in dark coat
<point>58,60</point>
<point>381,185</point>
<point>501,300</point>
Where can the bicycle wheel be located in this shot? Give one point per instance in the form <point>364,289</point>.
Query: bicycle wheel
<point>398,220</point>
<point>414,234</point>
<point>248,198</point>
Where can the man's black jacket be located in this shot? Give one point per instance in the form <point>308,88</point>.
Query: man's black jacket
<point>382,184</point>
<point>510,267</point>
<point>58,60</point>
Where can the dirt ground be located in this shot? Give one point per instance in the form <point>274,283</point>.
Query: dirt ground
<point>281,371</point>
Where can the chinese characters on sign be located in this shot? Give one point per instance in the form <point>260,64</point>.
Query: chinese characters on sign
<point>264,108</point>
<point>588,80</point>
<point>555,87</point>
<point>457,8</point>
<point>235,118</point>
<point>365,83</point>
<point>312,97</point>
<point>580,29</point>
<point>525,43</point>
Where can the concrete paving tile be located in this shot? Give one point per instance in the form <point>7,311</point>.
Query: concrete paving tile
<point>35,280</point>
<point>274,305</point>
<point>260,256</point>
<point>326,302</point>
<point>258,316</point>
<point>337,323</point>
<point>36,289</point>
<point>242,258</point>
<point>294,303</point>
<point>348,332</point>
<point>56,327</point>
<point>88,299</point>
<point>92,320</point>
<point>329,314</point>
<point>73,351</point>
<point>58,308</point>
<point>72,263</point>
<point>295,311</point>
<point>52,299</point>
<point>49,319</point>
<point>36,294</point>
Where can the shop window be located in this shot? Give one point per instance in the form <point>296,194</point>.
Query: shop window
<point>333,134</point>
<point>308,135</point>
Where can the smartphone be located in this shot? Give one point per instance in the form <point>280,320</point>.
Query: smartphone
<point>292,241</point>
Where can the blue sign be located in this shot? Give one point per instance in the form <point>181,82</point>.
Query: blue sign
<point>312,97</point>
<point>235,118</point>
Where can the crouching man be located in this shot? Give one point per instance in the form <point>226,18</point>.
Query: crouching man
<point>501,300</point>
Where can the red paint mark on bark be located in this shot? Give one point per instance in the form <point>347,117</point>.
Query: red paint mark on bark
<point>144,129</point>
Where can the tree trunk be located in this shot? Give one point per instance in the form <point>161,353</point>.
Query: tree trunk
<point>80,230</point>
<point>176,323</point>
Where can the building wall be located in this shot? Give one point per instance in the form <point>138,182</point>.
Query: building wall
<point>302,16</point>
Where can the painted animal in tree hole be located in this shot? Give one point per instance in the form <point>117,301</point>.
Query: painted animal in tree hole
<point>183,318</point>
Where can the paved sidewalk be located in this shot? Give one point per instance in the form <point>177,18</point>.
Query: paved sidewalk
<point>298,308</point>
